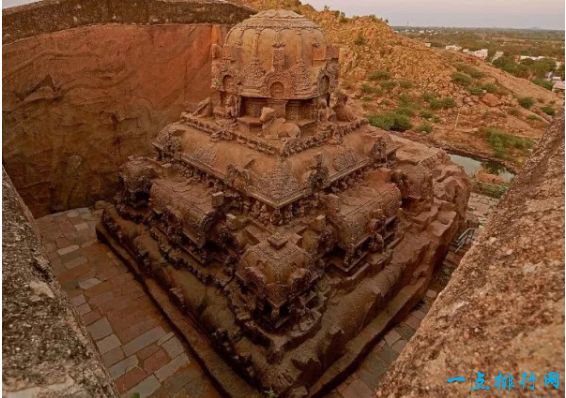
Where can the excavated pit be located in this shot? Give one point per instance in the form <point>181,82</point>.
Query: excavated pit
<point>81,95</point>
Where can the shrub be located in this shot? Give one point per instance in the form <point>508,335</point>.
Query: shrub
<point>501,142</point>
<point>367,98</point>
<point>406,100</point>
<point>490,88</point>
<point>425,128</point>
<point>548,110</point>
<point>387,84</point>
<point>406,84</point>
<point>543,83</point>
<point>392,121</point>
<point>526,102</point>
<point>442,103</point>
<point>533,117</point>
<point>429,96</point>
<point>379,75</point>
<point>475,90</point>
<point>360,40</point>
<point>367,89</point>
<point>406,110</point>
<point>492,190</point>
<point>469,70</point>
<point>462,79</point>
<point>426,114</point>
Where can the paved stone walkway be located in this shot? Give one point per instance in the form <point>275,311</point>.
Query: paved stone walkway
<point>143,355</point>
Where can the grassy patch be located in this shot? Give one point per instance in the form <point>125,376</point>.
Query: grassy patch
<point>426,114</point>
<point>502,142</point>
<point>492,190</point>
<point>391,121</point>
<point>475,90</point>
<point>469,70</point>
<point>442,103</point>
<point>367,89</point>
<point>490,88</point>
<point>406,110</point>
<point>406,84</point>
<point>424,128</point>
<point>379,75</point>
<point>548,110</point>
<point>526,102</point>
<point>435,102</point>
<point>543,83</point>
<point>462,79</point>
<point>387,84</point>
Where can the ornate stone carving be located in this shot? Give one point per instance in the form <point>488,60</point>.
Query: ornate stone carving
<point>272,219</point>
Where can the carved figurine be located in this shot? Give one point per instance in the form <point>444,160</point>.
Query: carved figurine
<point>274,127</point>
<point>342,110</point>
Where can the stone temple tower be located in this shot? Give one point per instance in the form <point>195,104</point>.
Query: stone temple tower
<point>278,230</point>
<point>276,59</point>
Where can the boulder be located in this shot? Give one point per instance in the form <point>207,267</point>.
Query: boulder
<point>490,100</point>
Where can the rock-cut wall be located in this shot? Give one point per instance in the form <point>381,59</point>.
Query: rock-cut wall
<point>88,83</point>
<point>46,352</point>
<point>503,309</point>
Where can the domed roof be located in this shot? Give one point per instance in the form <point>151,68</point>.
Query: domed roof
<point>278,54</point>
<point>278,19</point>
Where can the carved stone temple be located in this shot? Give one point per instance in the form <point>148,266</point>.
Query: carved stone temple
<point>281,233</point>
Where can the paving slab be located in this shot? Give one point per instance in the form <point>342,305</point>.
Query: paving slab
<point>145,388</point>
<point>108,343</point>
<point>169,369</point>
<point>99,329</point>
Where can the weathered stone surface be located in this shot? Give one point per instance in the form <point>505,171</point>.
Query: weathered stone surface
<point>279,221</point>
<point>79,97</point>
<point>503,309</point>
<point>51,16</point>
<point>45,350</point>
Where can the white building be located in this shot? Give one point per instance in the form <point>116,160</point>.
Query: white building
<point>537,58</point>
<point>481,54</point>
<point>427,44</point>
<point>453,47</point>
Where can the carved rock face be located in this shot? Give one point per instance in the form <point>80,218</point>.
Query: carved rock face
<point>284,229</point>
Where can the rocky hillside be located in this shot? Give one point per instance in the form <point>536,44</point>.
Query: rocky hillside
<point>449,99</point>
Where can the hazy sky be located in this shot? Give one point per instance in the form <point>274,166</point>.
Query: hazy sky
<point>548,14</point>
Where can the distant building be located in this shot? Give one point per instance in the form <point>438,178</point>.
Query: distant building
<point>427,44</point>
<point>558,86</point>
<point>534,58</point>
<point>453,47</point>
<point>553,77</point>
<point>481,54</point>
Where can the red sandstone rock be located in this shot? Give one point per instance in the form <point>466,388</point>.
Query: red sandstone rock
<point>490,100</point>
<point>280,222</point>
